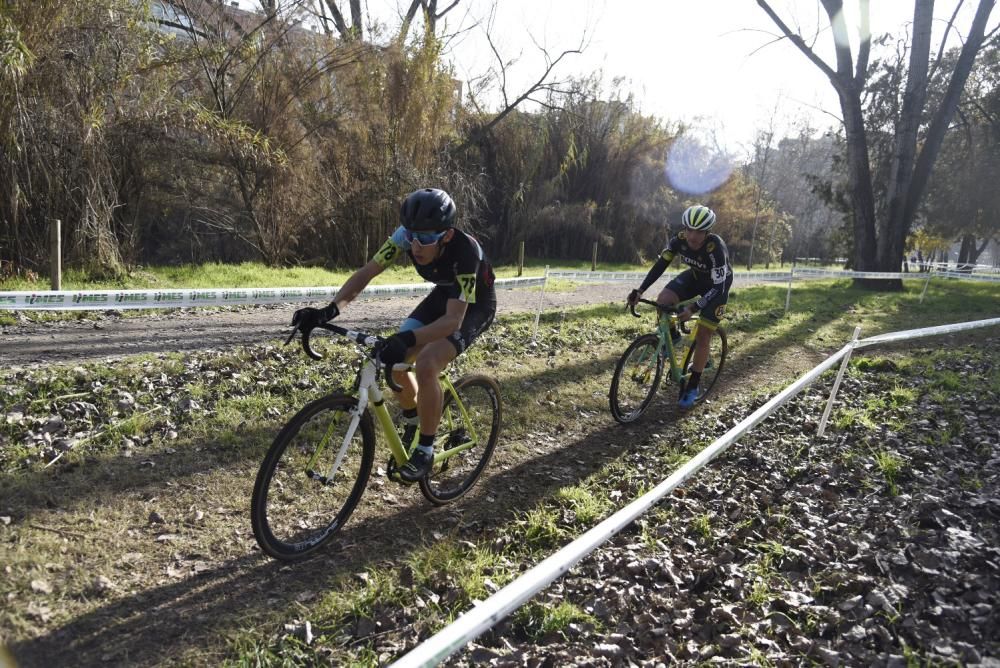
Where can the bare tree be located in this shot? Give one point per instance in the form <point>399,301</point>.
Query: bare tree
<point>330,13</point>
<point>349,33</point>
<point>912,160</point>
<point>431,16</point>
<point>535,92</point>
<point>255,108</point>
<point>761,156</point>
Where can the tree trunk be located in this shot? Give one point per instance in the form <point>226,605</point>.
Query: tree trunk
<point>894,231</point>
<point>935,133</point>
<point>969,253</point>
<point>859,183</point>
<point>965,252</point>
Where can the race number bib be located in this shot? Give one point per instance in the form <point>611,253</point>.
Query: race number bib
<point>467,286</point>
<point>387,254</point>
<point>719,275</point>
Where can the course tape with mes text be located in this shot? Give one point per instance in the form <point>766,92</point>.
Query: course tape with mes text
<point>99,300</point>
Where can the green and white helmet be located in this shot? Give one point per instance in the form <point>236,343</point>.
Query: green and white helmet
<point>698,217</point>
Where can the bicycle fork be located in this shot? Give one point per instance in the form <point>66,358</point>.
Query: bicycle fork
<point>356,412</point>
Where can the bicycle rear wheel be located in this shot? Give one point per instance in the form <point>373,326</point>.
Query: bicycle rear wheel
<point>478,429</point>
<point>637,375</point>
<point>312,478</point>
<point>718,347</point>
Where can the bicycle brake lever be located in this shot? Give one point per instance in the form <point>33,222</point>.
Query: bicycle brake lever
<point>387,371</point>
<point>306,347</point>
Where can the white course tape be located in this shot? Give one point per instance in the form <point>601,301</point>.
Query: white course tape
<point>806,272</point>
<point>637,276</point>
<point>803,273</point>
<point>484,616</point>
<point>100,300</point>
<point>926,331</point>
<point>597,276</point>
<point>962,275</point>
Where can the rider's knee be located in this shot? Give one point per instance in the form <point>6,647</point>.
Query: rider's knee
<point>427,369</point>
<point>667,297</point>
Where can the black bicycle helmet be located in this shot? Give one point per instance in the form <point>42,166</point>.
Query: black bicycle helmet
<point>427,210</point>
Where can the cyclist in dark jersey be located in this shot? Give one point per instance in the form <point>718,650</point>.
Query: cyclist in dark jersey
<point>459,308</point>
<point>709,274</point>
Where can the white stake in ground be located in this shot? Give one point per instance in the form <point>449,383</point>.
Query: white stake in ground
<point>541,298</point>
<point>836,383</point>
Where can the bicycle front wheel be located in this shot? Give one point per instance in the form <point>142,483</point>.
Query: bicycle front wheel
<point>717,348</point>
<point>637,375</point>
<point>312,477</point>
<point>468,438</point>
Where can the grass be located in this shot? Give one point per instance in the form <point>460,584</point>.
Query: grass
<point>890,465</point>
<point>259,275</point>
<point>588,507</point>
<point>703,526</point>
<point>765,572</point>
<point>539,620</point>
<point>562,467</point>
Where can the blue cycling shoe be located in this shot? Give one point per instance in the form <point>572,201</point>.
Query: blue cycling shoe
<point>688,398</point>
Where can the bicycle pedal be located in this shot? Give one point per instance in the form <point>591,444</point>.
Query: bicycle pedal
<point>392,473</point>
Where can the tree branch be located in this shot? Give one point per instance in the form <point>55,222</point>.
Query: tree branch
<point>797,40</point>
<point>411,13</point>
<point>865,44</point>
<point>338,19</point>
<point>944,40</point>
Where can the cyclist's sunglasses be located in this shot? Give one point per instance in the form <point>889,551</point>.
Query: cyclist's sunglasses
<point>425,238</point>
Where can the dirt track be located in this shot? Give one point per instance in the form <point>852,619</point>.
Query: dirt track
<point>107,334</point>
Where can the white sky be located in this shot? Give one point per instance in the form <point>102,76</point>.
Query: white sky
<point>699,61</point>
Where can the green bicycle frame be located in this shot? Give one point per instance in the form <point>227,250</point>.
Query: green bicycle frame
<point>666,345</point>
<point>400,451</point>
<point>369,392</point>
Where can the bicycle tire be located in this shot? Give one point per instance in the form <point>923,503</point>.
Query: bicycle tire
<point>294,513</point>
<point>719,347</point>
<point>647,347</point>
<point>453,477</point>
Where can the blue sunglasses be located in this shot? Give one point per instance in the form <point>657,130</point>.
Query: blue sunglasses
<point>425,238</point>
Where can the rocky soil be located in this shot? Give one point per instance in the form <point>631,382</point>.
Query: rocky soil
<point>792,549</point>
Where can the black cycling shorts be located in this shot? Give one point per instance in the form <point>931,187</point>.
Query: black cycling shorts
<point>478,316</point>
<point>686,285</point>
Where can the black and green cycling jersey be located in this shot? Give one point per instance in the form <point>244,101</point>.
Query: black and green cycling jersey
<point>461,269</point>
<point>709,265</point>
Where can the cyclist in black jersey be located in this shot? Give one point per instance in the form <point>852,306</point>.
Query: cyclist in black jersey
<point>709,274</point>
<point>459,308</point>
